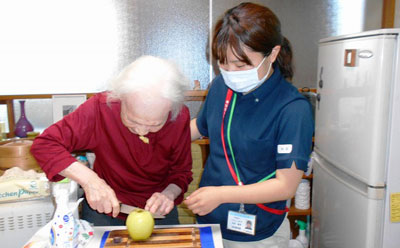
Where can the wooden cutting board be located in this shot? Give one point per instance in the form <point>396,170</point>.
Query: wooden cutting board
<point>161,237</point>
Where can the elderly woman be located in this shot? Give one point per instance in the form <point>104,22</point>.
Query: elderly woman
<point>139,131</point>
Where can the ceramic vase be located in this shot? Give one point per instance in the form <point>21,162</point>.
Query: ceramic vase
<point>23,125</point>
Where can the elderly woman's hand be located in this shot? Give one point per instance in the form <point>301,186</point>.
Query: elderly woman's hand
<point>162,203</point>
<point>159,203</point>
<point>100,196</point>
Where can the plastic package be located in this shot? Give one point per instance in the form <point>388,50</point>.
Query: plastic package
<point>302,196</point>
<point>19,185</point>
<point>64,230</point>
<point>310,164</point>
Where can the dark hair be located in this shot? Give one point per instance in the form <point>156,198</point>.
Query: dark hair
<point>258,28</point>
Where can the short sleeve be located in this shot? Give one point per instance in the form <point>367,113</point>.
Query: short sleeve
<point>202,119</point>
<point>294,138</point>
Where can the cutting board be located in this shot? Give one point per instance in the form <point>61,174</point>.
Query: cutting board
<point>189,237</point>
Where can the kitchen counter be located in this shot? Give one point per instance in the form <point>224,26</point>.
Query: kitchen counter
<point>99,231</point>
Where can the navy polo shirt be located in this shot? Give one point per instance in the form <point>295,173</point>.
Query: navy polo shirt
<point>271,127</point>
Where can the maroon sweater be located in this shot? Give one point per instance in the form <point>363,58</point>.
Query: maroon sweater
<point>133,169</point>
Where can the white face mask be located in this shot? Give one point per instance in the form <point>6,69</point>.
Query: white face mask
<point>244,81</point>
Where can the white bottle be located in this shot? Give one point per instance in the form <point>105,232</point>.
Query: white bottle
<point>302,233</point>
<point>64,226</point>
<point>63,229</point>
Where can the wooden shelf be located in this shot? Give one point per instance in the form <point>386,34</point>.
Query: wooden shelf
<point>195,95</point>
<point>201,141</point>
<point>190,95</point>
<point>294,211</point>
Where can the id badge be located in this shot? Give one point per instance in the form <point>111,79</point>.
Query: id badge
<point>242,222</point>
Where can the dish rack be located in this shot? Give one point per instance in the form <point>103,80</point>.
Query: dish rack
<point>19,221</point>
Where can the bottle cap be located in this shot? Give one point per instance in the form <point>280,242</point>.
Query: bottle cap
<point>302,225</point>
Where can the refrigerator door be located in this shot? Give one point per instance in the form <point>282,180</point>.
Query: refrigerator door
<point>391,229</point>
<point>353,112</point>
<point>344,213</point>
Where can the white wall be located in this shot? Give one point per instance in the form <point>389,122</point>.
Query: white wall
<point>75,46</point>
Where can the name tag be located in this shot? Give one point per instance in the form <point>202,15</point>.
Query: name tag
<point>286,148</point>
<point>241,222</point>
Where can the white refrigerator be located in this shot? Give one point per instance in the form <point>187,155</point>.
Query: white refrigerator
<point>356,159</point>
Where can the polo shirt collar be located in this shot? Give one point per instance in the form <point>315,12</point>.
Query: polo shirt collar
<point>265,88</point>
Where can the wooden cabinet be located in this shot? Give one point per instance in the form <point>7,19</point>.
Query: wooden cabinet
<point>199,157</point>
<point>300,214</point>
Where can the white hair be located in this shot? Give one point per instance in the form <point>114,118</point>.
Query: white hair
<point>147,74</point>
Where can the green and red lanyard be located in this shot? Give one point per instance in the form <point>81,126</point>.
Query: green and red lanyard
<point>235,172</point>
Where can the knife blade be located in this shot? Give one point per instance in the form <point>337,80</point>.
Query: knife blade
<point>126,209</point>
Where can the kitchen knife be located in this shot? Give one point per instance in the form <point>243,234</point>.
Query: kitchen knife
<point>126,209</point>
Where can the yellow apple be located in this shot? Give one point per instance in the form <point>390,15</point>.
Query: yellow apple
<point>140,224</point>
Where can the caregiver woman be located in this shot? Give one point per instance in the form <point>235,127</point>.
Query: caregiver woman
<point>260,130</point>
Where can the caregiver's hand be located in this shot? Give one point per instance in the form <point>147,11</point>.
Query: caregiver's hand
<point>204,200</point>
